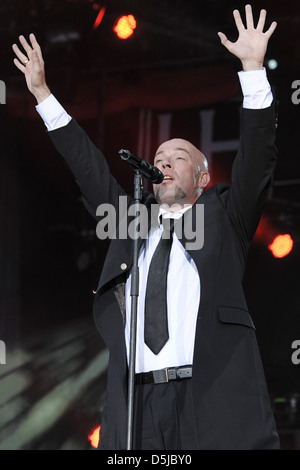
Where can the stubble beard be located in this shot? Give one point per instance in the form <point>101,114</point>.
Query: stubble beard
<point>179,197</point>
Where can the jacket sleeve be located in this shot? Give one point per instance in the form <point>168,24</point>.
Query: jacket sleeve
<point>88,166</point>
<point>252,170</point>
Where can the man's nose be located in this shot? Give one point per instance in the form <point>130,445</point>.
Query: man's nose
<point>166,164</point>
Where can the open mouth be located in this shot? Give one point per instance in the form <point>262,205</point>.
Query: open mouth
<point>168,178</point>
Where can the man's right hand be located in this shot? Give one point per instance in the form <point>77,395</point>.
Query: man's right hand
<point>31,63</point>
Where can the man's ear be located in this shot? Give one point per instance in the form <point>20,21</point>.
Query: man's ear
<point>204,179</point>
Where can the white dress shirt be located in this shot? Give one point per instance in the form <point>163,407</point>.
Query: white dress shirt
<point>183,297</point>
<point>184,284</point>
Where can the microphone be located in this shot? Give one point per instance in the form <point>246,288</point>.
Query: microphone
<point>152,173</point>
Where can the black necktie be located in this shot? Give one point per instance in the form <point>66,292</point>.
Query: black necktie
<point>156,320</point>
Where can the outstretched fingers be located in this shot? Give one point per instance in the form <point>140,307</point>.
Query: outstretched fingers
<point>271,30</point>
<point>19,65</point>
<point>261,21</point>
<point>250,23</point>
<point>36,46</point>
<point>238,21</point>
<point>249,17</point>
<point>21,57</point>
<point>261,24</point>
<point>224,41</point>
<point>26,46</point>
<point>29,56</point>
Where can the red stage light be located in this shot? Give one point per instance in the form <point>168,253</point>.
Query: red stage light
<point>94,436</point>
<point>99,18</point>
<point>125,26</point>
<point>281,246</point>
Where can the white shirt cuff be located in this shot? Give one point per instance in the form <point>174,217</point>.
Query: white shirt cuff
<point>52,113</point>
<point>256,89</point>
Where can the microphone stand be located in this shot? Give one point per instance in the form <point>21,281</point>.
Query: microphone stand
<point>134,301</point>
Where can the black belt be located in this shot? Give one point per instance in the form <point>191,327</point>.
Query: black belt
<point>164,375</point>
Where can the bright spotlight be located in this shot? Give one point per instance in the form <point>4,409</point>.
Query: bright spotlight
<point>94,436</point>
<point>125,26</point>
<point>281,246</point>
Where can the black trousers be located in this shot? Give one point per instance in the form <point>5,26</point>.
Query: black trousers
<point>163,416</point>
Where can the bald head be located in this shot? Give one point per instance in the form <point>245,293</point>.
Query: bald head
<point>197,156</point>
<point>185,169</point>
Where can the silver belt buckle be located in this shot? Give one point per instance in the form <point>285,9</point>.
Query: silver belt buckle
<point>161,376</point>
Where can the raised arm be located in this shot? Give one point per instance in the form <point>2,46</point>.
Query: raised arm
<point>30,62</point>
<point>86,162</point>
<point>254,164</point>
<point>252,42</point>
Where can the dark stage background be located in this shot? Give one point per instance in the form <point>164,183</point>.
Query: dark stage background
<point>172,78</point>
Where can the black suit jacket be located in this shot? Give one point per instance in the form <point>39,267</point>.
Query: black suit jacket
<point>230,398</point>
